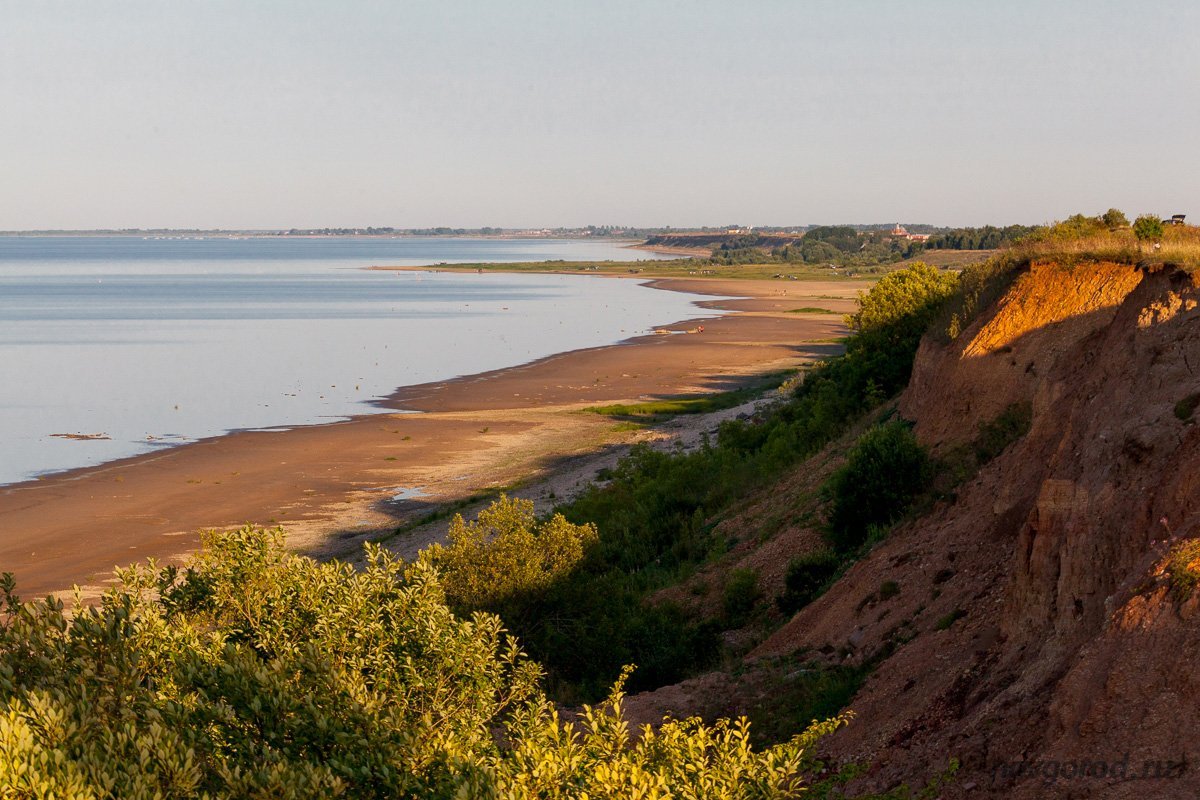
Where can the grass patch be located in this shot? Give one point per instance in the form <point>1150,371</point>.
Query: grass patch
<point>811,310</point>
<point>690,404</point>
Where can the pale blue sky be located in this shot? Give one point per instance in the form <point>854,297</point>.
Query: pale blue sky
<point>280,114</point>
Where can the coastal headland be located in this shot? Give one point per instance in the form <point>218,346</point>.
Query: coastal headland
<point>333,486</point>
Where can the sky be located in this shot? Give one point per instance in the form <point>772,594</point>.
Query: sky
<point>563,113</point>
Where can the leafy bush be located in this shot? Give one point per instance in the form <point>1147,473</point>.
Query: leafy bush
<point>740,595</point>
<point>1148,227</point>
<point>505,556</point>
<point>883,472</point>
<point>806,577</point>
<point>254,673</point>
<point>903,298</point>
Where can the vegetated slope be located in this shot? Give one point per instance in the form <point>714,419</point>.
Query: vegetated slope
<point>1042,612</point>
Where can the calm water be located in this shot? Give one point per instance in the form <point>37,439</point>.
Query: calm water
<point>158,342</point>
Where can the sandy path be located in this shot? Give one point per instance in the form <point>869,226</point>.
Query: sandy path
<point>332,485</point>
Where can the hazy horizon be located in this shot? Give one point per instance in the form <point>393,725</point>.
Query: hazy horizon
<point>272,115</point>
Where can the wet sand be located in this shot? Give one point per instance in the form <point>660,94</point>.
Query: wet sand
<point>333,485</point>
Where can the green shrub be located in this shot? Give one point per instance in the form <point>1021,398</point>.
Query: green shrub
<point>1186,407</point>
<point>1148,227</point>
<point>740,595</point>
<point>888,590</point>
<point>257,673</point>
<point>883,472</point>
<point>806,578</point>
<point>904,297</point>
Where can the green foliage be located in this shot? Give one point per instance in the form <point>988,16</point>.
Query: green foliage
<point>1078,226</point>
<point>806,578</point>
<point>901,305</point>
<point>888,590</point>
<point>506,558</point>
<point>1148,227</point>
<point>740,595</point>
<point>812,251</point>
<point>842,237</point>
<point>995,436</point>
<point>988,237</point>
<point>255,673</point>
<point>653,514</point>
<point>1186,407</point>
<point>1114,219</point>
<point>1183,565</point>
<point>883,472</point>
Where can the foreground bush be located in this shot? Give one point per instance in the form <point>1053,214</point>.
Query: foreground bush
<point>259,674</point>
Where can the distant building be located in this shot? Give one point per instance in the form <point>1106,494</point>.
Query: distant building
<point>900,232</point>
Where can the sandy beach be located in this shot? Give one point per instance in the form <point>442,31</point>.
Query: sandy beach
<point>335,485</point>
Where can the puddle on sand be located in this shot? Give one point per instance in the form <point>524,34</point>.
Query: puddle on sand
<point>408,493</point>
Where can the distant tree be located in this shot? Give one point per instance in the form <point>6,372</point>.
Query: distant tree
<point>817,252</point>
<point>843,237</point>
<point>1114,219</point>
<point>1148,227</point>
<point>1078,226</point>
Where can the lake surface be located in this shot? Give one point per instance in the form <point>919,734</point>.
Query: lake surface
<point>155,342</point>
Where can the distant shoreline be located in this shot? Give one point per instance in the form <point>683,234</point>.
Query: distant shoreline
<point>224,234</point>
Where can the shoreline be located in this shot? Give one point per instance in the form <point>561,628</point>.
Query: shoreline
<point>333,485</point>
<point>691,252</point>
